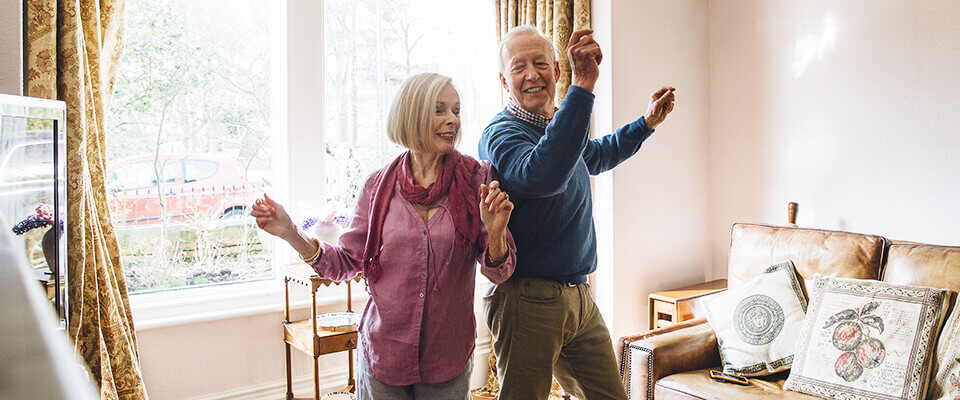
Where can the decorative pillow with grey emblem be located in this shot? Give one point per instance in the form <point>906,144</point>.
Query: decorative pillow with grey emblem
<point>866,339</point>
<point>758,323</point>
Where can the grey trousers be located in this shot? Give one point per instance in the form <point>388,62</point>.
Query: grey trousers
<point>369,388</point>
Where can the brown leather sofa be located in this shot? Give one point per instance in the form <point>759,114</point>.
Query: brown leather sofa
<point>673,362</point>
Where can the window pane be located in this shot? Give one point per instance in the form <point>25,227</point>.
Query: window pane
<point>28,161</point>
<point>26,183</point>
<point>371,47</point>
<point>188,145</point>
<point>136,175</point>
<point>196,170</point>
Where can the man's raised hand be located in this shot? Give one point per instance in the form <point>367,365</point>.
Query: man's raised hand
<point>585,56</point>
<point>661,104</point>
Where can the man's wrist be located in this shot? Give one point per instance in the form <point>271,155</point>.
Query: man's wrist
<point>649,122</point>
<point>585,85</point>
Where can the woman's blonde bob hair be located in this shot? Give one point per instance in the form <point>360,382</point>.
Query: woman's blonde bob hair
<point>410,121</point>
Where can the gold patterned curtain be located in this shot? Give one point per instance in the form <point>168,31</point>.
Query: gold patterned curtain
<point>73,51</point>
<point>555,18</point>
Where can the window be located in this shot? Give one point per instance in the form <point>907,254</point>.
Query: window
<point>371,47</point>
<point>195,134</point>
<point>189,147</point>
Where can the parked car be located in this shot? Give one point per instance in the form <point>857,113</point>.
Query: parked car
<point>194,187</point>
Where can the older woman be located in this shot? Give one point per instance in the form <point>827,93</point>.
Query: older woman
<point>420,225</point>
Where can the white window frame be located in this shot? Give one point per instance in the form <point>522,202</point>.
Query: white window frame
<point>296,106</point>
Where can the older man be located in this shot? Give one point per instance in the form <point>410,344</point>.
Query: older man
<point>543,320</point>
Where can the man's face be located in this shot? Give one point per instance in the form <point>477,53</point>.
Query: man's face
<point>529,75</point>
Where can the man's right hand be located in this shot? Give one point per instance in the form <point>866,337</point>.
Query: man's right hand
<point>585,56</point>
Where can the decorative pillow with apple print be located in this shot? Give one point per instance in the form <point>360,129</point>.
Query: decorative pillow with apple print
<point>865,339</point>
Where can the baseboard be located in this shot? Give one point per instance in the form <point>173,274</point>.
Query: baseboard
<point>330,380</point>
<point>302,387</point>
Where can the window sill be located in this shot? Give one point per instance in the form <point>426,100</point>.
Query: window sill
<point>190,306</point>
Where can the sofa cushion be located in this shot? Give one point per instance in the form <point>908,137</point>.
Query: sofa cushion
<point>696,384</point>
<point>757,324</point>
<point>753,248</point>
<point>917,264</point>
<point>867,339</point>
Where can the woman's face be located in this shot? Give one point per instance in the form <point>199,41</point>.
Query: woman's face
<point>446,120</point>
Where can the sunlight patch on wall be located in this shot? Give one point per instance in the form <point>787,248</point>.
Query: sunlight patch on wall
<point>811,47</point>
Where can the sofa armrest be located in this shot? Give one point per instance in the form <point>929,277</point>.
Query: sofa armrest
<point>646,358</point>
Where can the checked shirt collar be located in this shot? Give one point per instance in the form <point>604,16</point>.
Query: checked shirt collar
<point>528,116</point>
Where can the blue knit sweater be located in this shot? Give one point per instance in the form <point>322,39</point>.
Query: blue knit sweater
<point>547,174</point>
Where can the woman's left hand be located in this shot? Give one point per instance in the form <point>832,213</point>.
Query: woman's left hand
<point>495,209</point>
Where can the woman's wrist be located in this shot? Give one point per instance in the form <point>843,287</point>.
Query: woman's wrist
<point>315,255</point>
<point>308,248</point>
<point>292,235</point>
<point>496,236</point>
<point>497,248</point>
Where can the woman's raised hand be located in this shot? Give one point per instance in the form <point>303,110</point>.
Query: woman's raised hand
<point>272,218</point>
<point>495,209</point>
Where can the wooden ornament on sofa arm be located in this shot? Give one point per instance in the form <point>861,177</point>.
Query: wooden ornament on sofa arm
<point>792,213</point>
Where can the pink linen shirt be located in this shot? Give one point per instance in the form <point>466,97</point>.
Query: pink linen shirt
<point>418,326</point>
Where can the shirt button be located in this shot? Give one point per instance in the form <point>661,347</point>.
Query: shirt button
<point>424,231</point>
<point>423,253</point>
<point>423,274</point>
<point>421,294</point>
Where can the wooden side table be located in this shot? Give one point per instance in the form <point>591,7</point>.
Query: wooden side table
<point>304,335</point>
<point>677,305</point>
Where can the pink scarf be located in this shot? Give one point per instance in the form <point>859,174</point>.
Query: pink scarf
<point>454,181</point>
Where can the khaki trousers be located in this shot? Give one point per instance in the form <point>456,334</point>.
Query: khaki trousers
<point>545,328</point>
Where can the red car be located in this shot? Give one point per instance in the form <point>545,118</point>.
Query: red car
<point>195,187</point>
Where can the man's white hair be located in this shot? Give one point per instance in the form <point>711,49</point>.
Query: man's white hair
<point>525,30</point>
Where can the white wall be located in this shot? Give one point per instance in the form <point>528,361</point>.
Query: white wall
<point>849,108</point>
<point>657,235</point>
<point>11,47</point>
<point>217,357</point>
<point>239,354</point>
